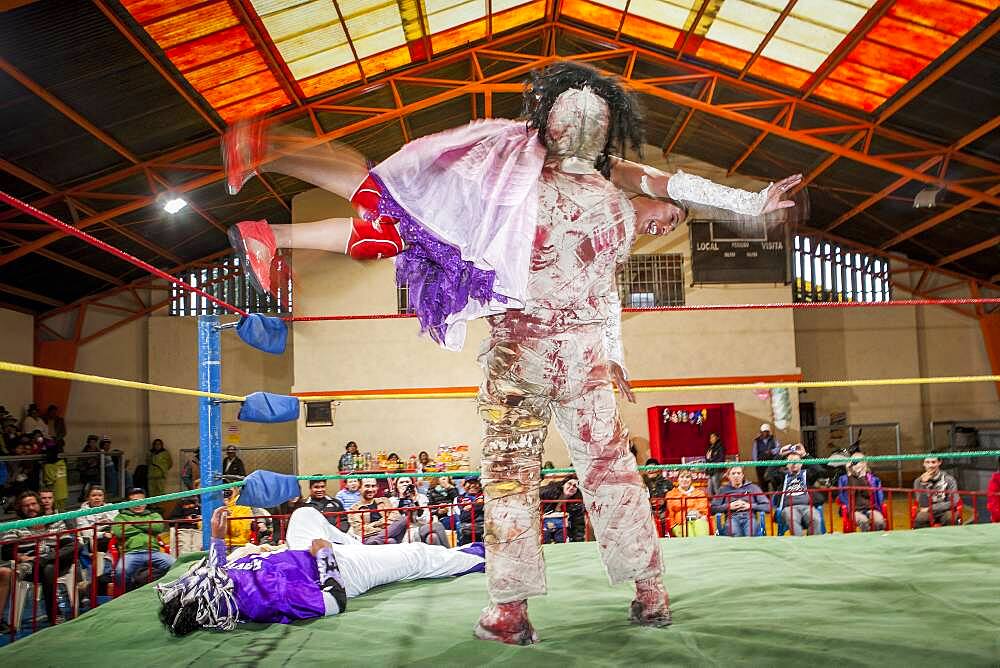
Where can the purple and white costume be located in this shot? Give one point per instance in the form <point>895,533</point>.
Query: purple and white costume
<point>285,585</point>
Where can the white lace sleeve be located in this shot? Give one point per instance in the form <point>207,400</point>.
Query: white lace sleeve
<point>684,186</point>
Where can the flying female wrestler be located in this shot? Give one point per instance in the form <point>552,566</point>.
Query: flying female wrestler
<point>321,569</point>
<point>525,222</point>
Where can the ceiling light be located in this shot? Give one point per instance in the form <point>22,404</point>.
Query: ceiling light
<point>174,204</point>
<point>926,198</point>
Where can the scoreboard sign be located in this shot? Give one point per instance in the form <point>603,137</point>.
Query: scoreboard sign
<point>754,250</point>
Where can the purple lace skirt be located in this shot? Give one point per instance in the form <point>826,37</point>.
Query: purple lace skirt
<point>438,281</point>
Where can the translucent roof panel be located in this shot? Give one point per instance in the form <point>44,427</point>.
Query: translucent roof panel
<point>208,44</point>
<point>456,23</point>
<point>911,35</point>
<point>808,48</point>
<point>253,56</point>
<point>444,14</point>
<point>800,44</point>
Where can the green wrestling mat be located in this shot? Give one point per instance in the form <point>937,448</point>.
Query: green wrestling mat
<point>906,598</point>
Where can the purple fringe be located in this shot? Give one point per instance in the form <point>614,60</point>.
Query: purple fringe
<point>438,281</point>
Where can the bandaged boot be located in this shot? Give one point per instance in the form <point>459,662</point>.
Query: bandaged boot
<point>506,623</point>
<point>651,606</point>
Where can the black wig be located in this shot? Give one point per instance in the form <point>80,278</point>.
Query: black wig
<point>179,619</point>
<point>546,84</point>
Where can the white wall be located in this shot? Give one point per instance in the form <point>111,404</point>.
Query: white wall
<point>116,412</point>
<point>17,332</point>
<point>173,360</point>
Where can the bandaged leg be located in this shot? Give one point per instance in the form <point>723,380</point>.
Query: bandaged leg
<point>511,480</point>
<point>615,497</point>
<point>516,415</point>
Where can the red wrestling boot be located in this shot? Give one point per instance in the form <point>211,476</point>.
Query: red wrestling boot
<point>506,623</point>
<point>373,240</point>
<point>651,606</point>
<point>254,242</point>
<point>242,151</point>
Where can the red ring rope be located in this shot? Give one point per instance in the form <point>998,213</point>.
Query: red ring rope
<point>94,241</point>
<point>120,254</point>
<point>711,307</point>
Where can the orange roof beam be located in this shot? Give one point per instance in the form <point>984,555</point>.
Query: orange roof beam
<point>809,140</point>
<point>770,94</point>
<point>847,45</point>
<point>982,130</point>
<point>152,60</point>
<point>258,33</point>
<point>923,83</point>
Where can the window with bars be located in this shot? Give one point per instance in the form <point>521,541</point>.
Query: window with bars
<point>226,281</point>
<point>825,272</point>
<point>652,280</point>
<point>403,300</point>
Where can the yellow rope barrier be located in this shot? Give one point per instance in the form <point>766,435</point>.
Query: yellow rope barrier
<point>874,382</point>
<point>117,382</point>
<point>135,385</point>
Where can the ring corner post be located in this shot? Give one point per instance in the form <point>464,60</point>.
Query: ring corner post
<point>210,419</point>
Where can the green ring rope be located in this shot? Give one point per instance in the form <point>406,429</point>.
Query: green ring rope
<point>73,514</point>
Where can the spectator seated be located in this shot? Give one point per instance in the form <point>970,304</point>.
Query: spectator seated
<point>471,512</point>
<point>378,522</point>
<point>332,508</point>
<point>563,516</point>
<point>951,516</point>
<point>936,500</point>
<point>413,509</point>
<point>861,499</point>
<point>27,560</point>
<point>740,506</point>
<point>797,506</point>
<point>687,508</point>
<point>137,530</point>
<point>720,523</point>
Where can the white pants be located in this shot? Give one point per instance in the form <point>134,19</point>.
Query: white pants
<point>367,566</point>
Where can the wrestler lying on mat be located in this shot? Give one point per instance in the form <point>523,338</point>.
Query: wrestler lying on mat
<point>313,576</point>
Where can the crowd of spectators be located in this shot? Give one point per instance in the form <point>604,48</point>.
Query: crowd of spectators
<point>434,510</point>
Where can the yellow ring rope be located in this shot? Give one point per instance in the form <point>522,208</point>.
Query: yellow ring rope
<point>871,382</point>
<point>103,380</point>
<point>136,385</point>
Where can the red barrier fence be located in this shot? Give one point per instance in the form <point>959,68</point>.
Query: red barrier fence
<point>91,565</point>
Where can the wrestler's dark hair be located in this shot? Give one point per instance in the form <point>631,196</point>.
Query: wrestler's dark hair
<point>548,83</point>
<point>179,619</point>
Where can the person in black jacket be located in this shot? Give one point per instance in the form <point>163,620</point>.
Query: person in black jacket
<point>35,560</point>
<point>716,453</point>
<point>471,515</point>
<point>320,501</point>
<point>441,494</point>
<point>232,465</point>
<point>571,508</point>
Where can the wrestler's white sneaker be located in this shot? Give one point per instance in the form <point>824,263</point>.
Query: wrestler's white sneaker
<point>506,623</point>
